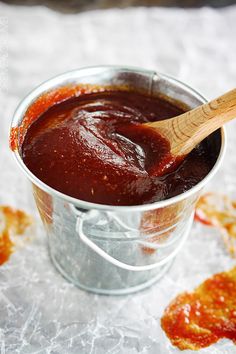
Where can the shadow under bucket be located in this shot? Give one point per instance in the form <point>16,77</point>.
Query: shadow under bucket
<point>116,249</point>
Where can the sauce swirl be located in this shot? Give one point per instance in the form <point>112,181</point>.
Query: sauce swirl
<point>79,147</point>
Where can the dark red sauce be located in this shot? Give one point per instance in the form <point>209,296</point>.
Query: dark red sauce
<point>80,147</point>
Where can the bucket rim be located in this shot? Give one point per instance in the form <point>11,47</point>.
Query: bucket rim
<point>58,80</point>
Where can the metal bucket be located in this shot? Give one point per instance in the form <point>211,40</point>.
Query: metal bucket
<point>116,249</point>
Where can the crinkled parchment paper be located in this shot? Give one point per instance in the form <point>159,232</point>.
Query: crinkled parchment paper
<point>40,312</point>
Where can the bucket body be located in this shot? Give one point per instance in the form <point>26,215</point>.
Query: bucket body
<point>116,249</point>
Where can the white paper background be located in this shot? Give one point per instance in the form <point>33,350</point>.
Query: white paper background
<point>39,311</point>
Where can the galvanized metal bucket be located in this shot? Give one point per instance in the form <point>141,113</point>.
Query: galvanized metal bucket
<point>116,249</point>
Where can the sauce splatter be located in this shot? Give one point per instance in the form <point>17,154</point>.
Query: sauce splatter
<point>12,222</point>
<point>219,211</point>
<point>13,138</point>
<point>198,319</point>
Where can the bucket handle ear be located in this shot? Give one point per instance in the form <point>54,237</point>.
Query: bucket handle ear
<point>84,238</point>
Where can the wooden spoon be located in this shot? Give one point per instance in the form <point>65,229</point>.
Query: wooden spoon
<point>187,130</point>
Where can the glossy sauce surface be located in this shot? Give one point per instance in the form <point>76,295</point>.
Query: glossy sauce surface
<point>80,147</point>
<point>196,320</point>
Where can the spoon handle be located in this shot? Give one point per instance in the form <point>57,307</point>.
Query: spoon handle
<point>189,129</point>
<point>207,118</point>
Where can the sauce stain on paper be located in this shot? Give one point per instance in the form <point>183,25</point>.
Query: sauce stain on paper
<point>219,211</point>
<point>13,222</point>
<point>198,319</point>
